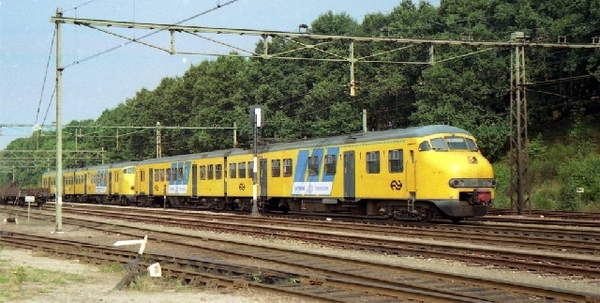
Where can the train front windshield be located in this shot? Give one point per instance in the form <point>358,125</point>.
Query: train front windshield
<point>449,143</point>
<point>129,170</point>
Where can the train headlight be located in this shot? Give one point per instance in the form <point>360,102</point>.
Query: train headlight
<point>456,183</point>
<point>472,183</point>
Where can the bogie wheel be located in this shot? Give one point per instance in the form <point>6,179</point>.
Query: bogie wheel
<point>426,215</point>
<point>456,220</point>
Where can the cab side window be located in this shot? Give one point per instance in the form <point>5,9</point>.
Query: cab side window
<point>424,146</point>
<point>210,172</point>
<point>275,168</point>
<point>251,169</point>
<point>330,164</point>
<point>202,172</point>
<point>219,171</point>
<point>373,162</point>
<point>242,169</point>
<point>313,165</point>
<point>396,159</point>
<point>287,167</point>
<point>232,170</point>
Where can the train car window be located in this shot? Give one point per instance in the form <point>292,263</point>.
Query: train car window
<point>161,173</point>
<point>218,171</point>
<point>275,168</point>
<point>202,172</point>
<point>211,172</point>
<point>232,170</point>
<point>424,146</point>
<point>168,176</point>
<point>438,144</point>
<point>373,163</point>
<point>142,176</point>
<point>180,174</point>
<point>330,164</point>
<point>456,143</point>
<point>242,170</point>
<point>287,167</point>
<point>156,174</point>
<point>313,165</point>
<point>250,169</point>
<point>471,144</point>
<point>396,159</point>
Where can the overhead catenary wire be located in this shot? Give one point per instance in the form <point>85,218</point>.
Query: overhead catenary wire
<point>45,77</point>
<point>79,6</point>
<point>137,40</point>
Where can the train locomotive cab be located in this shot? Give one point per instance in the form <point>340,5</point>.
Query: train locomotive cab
<point>464,179</point>
<point>123,178</point>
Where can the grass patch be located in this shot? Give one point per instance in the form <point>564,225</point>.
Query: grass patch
<point>112,268</point>
<point>20,283</point>
<point>146,283</point>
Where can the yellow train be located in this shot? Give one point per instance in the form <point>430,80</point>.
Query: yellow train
<point>422,172</point>
<point>110,183</point>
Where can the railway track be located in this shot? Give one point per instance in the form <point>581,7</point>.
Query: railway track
<point>331,278</point>
<point>539,238</point>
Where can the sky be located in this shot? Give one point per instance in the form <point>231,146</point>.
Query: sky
<point>94,80</point>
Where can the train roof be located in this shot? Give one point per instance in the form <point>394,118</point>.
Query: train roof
<point>211,154</point>
<point>99,166</point>
<point>404,133</point>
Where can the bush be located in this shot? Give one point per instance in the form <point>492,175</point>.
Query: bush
<point>547,197</point>
<point>581,182</point>
<point>502,174</point>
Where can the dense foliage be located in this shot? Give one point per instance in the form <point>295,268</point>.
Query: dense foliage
<point>466,87</point>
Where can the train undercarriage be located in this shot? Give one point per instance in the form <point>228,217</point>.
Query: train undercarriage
<point>420,210</point>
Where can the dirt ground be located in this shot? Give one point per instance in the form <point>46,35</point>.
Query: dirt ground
<point>94,283</point>
<point>98,285</point>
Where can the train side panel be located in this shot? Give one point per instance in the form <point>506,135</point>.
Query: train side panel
<point>239,183</point>
<point>382,170</point>
<point>280,173</point>
<point>123,183</point>
<point>211,177</point>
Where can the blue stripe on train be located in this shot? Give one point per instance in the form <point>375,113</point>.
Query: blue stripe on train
<point>301,163</point>
<point>317,152</point>
<point>186,172</point>
<point>335,151</point>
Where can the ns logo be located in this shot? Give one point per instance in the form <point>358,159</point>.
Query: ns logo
<point>396,185</point>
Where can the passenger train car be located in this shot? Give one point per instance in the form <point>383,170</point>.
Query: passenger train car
<point>102,183</point>
<point>420,172</point>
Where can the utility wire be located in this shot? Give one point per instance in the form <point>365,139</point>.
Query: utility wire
<point>151,33</point>
<point>49,103</point>
<point>78,6</point>
<point>45,77</point>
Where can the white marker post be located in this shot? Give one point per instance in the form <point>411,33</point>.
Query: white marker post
<point>256,119</point>
<point>134,242</point>
<point>29,200</point>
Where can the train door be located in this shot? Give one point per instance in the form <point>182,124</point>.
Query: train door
<point>225,177</point>
<point>349,176</point>
<point>262,175</point>
<point>110,183</point>
<point>194,180</point>
<point>85,184</point>
<point>411,176</point>
<point>151,182</point>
